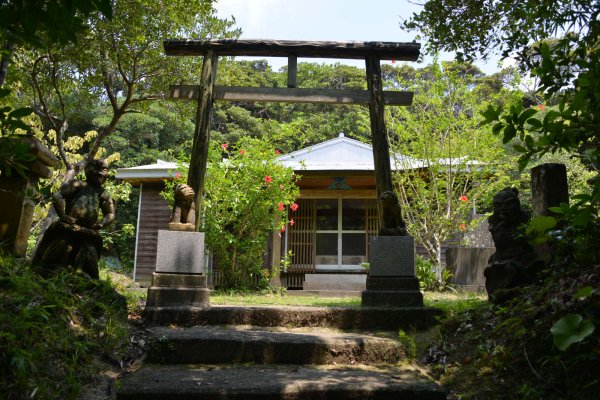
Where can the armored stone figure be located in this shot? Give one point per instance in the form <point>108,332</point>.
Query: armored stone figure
<point>392,222</point>
<point>73,240</point>
<point>515,262</point>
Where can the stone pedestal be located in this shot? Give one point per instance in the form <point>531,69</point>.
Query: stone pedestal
<point>392,280</point>
<point>549,188</point>
<point>180,252</point>
<point>179,281</point>
<point>177,290</point>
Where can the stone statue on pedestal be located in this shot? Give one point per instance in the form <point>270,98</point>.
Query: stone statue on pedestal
<point>73,240</point>
<point>515,262</point>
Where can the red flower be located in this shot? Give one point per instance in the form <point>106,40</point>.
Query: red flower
<point>292,222</point>
<point>463,227</point>
<point>294,207</point>
<point>283,229</point>
<point>178,175</point>
<point>242,151</point>
<point>225,146</point>
<point>280,206</point>
<point>277,152</point>
<point>541,107</point>
<point>268,179</point>
<point>463,198</point>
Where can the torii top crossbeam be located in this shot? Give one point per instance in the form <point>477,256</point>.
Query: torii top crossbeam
<point>375,97</point>
<point>286,48</point>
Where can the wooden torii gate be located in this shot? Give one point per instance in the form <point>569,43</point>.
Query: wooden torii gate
<point>207,92</point>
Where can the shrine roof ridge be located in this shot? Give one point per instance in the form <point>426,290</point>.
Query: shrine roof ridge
<point>399,51</point>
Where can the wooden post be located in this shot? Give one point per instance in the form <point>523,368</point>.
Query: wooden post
<point>381,149</point>
<point>197,171</point>
<point>292,71</point>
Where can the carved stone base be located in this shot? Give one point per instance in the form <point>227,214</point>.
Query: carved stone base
<point>177,226</point>
<point>392,292</point>
<point>177,290</point>
<point>392,280</point>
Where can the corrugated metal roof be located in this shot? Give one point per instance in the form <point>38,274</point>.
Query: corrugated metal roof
<point>160,169</point>
<point>339,154</point>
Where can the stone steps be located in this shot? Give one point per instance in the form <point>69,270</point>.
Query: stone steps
<point>280,382</point>
<point>221,345</point>
<point>283,353</point>
<point>362,318</point>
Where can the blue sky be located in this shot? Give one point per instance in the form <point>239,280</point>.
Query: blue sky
<point>353,20</point>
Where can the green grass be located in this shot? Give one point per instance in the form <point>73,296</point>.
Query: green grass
<point>275,299</point>
<point>450,302</point>
<point>453,303</point>
<point>53,331</point>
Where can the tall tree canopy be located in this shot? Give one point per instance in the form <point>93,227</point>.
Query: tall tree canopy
<point>558,43</point>
<point>118,61</point>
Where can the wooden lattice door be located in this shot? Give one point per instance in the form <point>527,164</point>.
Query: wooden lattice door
<point>302,237</point>
<point>372,222</point>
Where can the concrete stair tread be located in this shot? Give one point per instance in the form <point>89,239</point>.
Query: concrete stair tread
<point>278,382</point>
<point>243,344</point>
<point>369,318</point>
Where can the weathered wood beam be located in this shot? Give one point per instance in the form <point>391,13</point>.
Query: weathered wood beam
<point>199,160</point>
<point>285,48</point>
<point>291,95</point>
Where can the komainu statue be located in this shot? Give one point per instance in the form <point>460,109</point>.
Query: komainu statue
<point>515,262</point>
<point>73,240</point>
<point>392,222</point>
<point>183,215</point>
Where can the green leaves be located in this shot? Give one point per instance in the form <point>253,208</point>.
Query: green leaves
<point>538,228</point>
<point>571,329</point>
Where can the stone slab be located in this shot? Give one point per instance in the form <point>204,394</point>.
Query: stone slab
<point>180,252</point>
<point>392,298</point>
<point>392,283</point>
<point>245,344</point>
<point>392,256</point>
<point>334,282</point>
<point>177,297</point>
<point>278,382</point>
<point>549,187</point>
<point>179,280</point>
<point>467,265</point>
<point>387,318</point>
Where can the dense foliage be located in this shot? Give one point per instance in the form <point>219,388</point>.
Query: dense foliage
<point>448,166</point>
<point>52,331</point>
<point>248,195</point>
<point>546,339</point>
<point>509,352</point>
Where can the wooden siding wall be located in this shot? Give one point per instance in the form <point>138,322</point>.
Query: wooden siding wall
<point>302,238</point>
<point>154,216</point>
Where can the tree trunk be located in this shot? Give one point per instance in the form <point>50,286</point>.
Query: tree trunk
<point>7,50</point>
<point>438,264</point>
